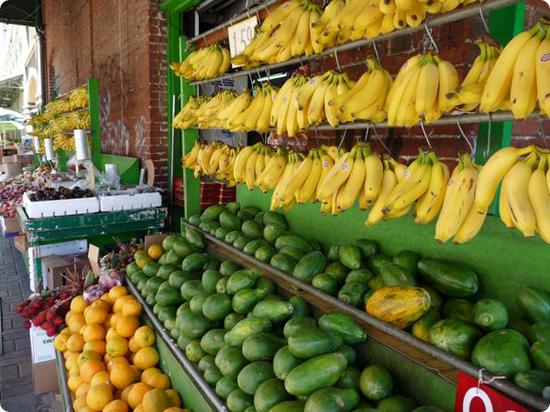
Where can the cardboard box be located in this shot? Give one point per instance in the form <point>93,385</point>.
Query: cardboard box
<point>42,349</point>
<point>10,159</point>
<point>44,377</point>
<point>11,169</point>
<point>21,244</point>
<point>57,268</point>
<point>10,225</point>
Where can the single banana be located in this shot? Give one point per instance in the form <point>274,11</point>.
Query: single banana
<point>542,68</point>
<point>540,199</point>
<point>353,186</point>
<point>389,181</point>
<point>470,226</point>
<point>374,168</point>
<point>337,175</point>
<point>517,186</point>
<point>429,205</point>
<point>307,190</point>
<point>504,208</point>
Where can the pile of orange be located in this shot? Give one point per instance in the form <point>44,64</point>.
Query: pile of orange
<point>110,357</point>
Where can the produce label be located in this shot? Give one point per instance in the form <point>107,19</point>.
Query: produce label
<point>474,397</point>
<point>240,35</point>
<point>545,58</point>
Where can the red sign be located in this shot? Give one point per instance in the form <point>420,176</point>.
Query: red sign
<point>471,397</point>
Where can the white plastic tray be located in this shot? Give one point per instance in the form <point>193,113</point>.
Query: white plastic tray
<point>50,208</point>
<point>114,203</point>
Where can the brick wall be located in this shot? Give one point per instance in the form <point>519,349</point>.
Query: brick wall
<point>122,43</point>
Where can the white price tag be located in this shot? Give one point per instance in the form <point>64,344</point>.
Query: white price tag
<point>241,34</point>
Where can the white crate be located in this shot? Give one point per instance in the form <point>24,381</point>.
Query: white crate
<point>115,203</point>
<point>50,208</point>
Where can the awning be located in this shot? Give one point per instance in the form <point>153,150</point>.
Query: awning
<point>22,12</point>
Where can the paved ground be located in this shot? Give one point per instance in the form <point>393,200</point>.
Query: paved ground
<point>16,391</point>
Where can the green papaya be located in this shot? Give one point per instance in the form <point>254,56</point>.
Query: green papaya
<point>350,256</point>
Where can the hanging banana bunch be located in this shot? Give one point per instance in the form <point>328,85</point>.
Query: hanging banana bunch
<point>467,97</point>
<point>430,203</point>
<point>520,76</point>
<point>278,198</point>
<point>284,34</point>
<point>420,90</point>
<point>187,117</point>
<point>203,64</point>
<point>207,113</point>
<point>274,168</point>
<point>459,216</point>
<point>366,99</point>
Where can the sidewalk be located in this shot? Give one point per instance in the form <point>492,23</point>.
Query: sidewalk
<point>16,391</point>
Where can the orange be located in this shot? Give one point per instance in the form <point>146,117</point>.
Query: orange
<point>135,396</point>
<point>117,361</point>
<point>116,406</point>
<point>156,400</point>
<point>93,332</point>
<point>139,409</point>
<point>97,346</point>
<point>82,390</point>
<point>99,395</point>
<point>95,315</point>
<point>119,303</point>
<point>147,373</point>
<point>71,359</point>
<point>127,325</point>
<point>59,343</point>
<point>175,409</point>
<point>114,319</point>
<point>65,331</point>
<point>105,297</point>
<point>78,304</point>
<point>122,376</point>
<point>76,322</point>
<point>144,336</point>
<point>74,370</point>
<point>89,368</point>
<point>125,392</point>
<point>117,346</point>
<point>100,303</point>
<point>146,357</point>
<point>74,382</point>
<point>87,355</point>
<point>111,333</point>
<point>100,377</point>
<point>75,343</point>
<point>133,346</point>
<point>158,381</point>
<point>175,399</point>
<point>131,308</point>
<point>117,292</point>
<point>79,403</point>
<point>155,251</point>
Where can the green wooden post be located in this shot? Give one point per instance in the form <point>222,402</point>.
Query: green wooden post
<point>173,91</point>
<point>95,127</point>
<point>192,193</point>
<point>504,24</point>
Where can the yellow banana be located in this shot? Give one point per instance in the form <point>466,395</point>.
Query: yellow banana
<point>374,168</point>
<point>517,185</point>
<point>504,208</point>
<point>410,188</point>
<point>337,175</point>
<point>307,190</point>
<point>429,205</point>
<point>327,163</point>
<point>240,163</point>
<point>493,172</point>
<point>448,82</point>
<point>297,180</point>
<point>470,226</point>
<point>540,199</point>
<point>542,68</point>
<point>353,186</point>
<point>427,89</point>
<point>389,181</point>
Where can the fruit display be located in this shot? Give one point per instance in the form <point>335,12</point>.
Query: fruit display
<point>301,27</point>
<point>434,299</point>
<point>11,195</point>
<point>202,64</point>
<point>110,357</point>
<point>519,78</point>
<point>257,349</point>
<point>60,118</point>
<point>524,195</point>
<point>59,193</point>
<point>216,160</point>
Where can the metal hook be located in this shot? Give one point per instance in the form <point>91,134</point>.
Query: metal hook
<point>367,132</point>
<point>343,137</point>
<point>485,25</point>
<point>425,134</point>
<point>429,33</point>
<point>489,131</point>
<point>376,51</point>
<point>336,58</point>
<point>380,140</point>
<point>543,134</point>
<point>265,7</point>
<point>316,134</point>
<point>472,151</point>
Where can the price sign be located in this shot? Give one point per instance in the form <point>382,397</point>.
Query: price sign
<point>471,397</point>
<point>241,34</point>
